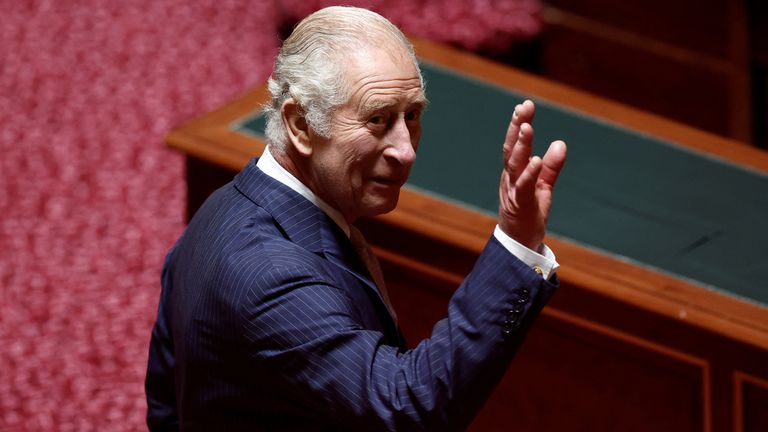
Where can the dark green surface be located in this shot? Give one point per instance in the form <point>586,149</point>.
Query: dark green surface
<point>631,195</point>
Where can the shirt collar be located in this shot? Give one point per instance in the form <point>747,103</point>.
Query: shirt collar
<point>272,168</point>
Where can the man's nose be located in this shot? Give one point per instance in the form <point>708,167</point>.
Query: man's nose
<point>400,146</point>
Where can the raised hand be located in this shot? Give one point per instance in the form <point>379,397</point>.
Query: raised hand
<point>525,191</point>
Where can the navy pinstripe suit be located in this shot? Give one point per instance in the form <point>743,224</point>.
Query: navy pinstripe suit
<point>269,321</point>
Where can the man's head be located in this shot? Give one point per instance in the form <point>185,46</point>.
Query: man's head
<point>347,96</point>
<point>311,65</point>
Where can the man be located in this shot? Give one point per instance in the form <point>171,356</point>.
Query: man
<point>273,314</point>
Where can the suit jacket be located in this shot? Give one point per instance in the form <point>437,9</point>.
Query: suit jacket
<point>268,320</point>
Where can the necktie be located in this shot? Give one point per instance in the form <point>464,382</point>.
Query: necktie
<point>372,264</point>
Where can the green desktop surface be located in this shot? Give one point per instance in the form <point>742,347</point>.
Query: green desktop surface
<point>624,193</point>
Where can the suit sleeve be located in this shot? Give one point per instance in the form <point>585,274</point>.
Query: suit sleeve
<point>298,323</point>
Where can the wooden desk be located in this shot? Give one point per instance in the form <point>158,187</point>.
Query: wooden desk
<point>621,347</point>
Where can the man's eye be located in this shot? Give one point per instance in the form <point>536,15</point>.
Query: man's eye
<point>377,120</point>
<point>412,115</point>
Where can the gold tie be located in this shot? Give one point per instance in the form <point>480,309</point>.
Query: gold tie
<point>372,264</point>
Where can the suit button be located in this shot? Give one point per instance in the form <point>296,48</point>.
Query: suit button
<point>512,317</point>
<point>516,309</point>
<point>509,325</point>
<point>524,296</point>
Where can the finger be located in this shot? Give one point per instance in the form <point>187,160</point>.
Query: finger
<point>553,163</point>
<point>525,186</point>
<point>521,153</point>
<point>523,113</point>
<point>510,139</point>
<point>528,111</point>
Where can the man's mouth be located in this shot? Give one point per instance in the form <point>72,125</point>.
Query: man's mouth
<point>389,181</point>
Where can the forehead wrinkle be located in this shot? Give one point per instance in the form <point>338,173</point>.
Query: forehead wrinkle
<point>371,82</point>
<point>380,95</point>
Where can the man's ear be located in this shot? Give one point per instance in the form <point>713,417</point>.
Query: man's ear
<point>296,126</point>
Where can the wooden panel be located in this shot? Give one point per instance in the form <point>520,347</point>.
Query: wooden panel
<point>705,41</point>
<point>202,180</point>
<point>572,373</point>
<point>760,103</point>
<point>679,90</point>
<point>691,24</point>
<point>751,403</point>
<point>574,378</point>
<point>758,30</point>
<point>758,37</point>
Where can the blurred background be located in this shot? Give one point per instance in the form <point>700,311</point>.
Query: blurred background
<point>91,200</point>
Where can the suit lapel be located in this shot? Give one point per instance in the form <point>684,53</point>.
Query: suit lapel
<point>307,226</point>
<point>298,218</point>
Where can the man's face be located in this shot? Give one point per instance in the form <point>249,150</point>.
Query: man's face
<point>374,136</point>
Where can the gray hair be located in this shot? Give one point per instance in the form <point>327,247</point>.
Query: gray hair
<point>310,67</point>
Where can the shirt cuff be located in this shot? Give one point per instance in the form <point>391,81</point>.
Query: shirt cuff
<point>543,263</point>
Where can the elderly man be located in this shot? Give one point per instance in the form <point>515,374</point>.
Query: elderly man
<point>273,313</point>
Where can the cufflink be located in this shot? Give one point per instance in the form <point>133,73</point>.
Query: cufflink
<point>538,271</point>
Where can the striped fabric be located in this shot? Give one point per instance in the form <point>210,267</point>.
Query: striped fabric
<point>268,320</point>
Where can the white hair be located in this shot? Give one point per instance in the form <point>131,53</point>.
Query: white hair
<point>311,65</point>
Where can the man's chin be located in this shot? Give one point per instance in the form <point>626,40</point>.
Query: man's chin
<point>382,205</point>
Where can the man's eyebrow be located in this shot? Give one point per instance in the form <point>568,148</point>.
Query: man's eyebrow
<point>371,106</point>
<point>421,101</point>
